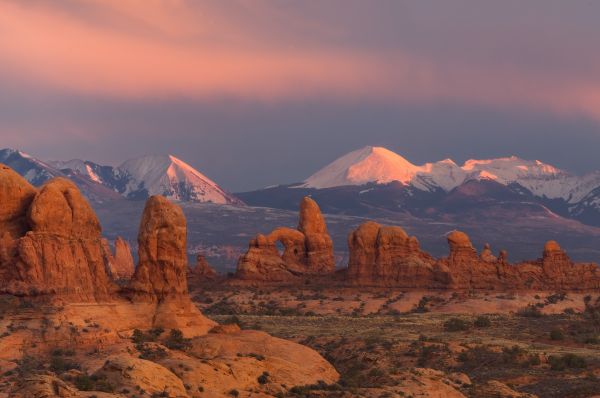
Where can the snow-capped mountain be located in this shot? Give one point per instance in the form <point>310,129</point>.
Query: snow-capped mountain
<point>375,180</point>
<point>33,170</point>
<point>173,178</point>
<point>381,166</point>
<point>134,179</point>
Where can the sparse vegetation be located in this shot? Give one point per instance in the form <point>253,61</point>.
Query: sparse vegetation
<point>456,325</point>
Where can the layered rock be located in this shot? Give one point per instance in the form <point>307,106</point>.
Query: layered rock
<point>386,255</point>
<point>307,251</point>
<point>202,271</point>
<point>16,195</point>
<point>61,255</point>
<point>161,275</point>
<point>319,247</point>
<point>162,266</point>
<point>123,266</point>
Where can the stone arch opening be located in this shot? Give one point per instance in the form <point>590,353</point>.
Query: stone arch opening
<point>280,247</point>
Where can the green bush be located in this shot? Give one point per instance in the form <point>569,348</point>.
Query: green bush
<point>482,322</point>
<point>263,378</point>
<point>567,361</point>
<point>531,311</point>
<point>557,334</point>
<point>456,325</point>
<point>176,341</point>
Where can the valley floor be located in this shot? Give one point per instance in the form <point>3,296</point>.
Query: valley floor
<point>388,343</point>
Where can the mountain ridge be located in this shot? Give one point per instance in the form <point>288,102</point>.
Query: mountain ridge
<point>134,179</point>
<point>375,179</point>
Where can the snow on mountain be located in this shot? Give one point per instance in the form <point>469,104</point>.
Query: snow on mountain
<point>80,166</point>
<point>369,164</point>
<point>169,176</point>
<point>135,179</point>
<point>33,170</point>
<point>380,165</point>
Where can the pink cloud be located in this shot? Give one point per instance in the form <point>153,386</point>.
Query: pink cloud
<point>147,49</point>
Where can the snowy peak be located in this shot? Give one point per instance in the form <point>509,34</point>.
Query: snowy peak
<point>511,169</point>
<point>169,176</point>
<point>135,179</point>
<point>380,165</point>
<point>33,170</point>
<point>368,164</point>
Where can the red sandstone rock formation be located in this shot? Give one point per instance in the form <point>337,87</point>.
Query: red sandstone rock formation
<point>319,247</point>
<point>307,250</point>
<point>202,271</point>
<point>160,276</point>
<point>16,195</point>
<point>124,266</point>
<point>162,266</point>
<point>58,252</point>
<point>386,256</point>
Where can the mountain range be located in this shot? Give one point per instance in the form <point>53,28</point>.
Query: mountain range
<point>375,181</point>
<point>515,203</point>
<point>371,181</point>
<point>133,179</point>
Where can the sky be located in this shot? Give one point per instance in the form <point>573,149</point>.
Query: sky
<point>257,92</point>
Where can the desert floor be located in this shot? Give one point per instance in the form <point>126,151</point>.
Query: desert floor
<point>542,343</point>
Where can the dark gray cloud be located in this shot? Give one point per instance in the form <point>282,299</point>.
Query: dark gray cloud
<point>482,79</point>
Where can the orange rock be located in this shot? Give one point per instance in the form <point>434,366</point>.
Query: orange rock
<point>16,195</point>
<point>202,270</point>
<point>160,276</point>
<point>387,256</point>
<point>63,254</point>
<point>307,251</point>
<point>162,266</point>
<point>319,247</point>
<point>123,266</point>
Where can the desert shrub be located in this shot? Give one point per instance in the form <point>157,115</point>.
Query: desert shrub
<point>531,311</point>
<point>557,334</point>
<point>567,361</point>
<point>138,336</point>
<point>151,353</point>
<point>555,298</point>
<point>482,322</point>
<point>93,383</point>
<point>263,378</point>
<point>29,365</point>
<point>456,325</point>
<point>422,306</point>
<point>234,393</point>
<point>258,357</point>
<point>60,364</point>
<point>155,333</point>
<point>176,341</point>
<point>306,391</point>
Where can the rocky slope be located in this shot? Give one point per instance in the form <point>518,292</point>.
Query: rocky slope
<point>68,330</point>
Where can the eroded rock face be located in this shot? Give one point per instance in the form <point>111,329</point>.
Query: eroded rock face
<point>161,274</point>
<point>307,250</point>
<point>162,266</point>
<point>202,271</point>
<point>16,195</point>
<point>386,255</point>
<point>123,266</point>
<point>62,254</point>
<point>319,247</point>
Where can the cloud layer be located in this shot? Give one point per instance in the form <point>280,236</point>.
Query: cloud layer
<point>541,55</point>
